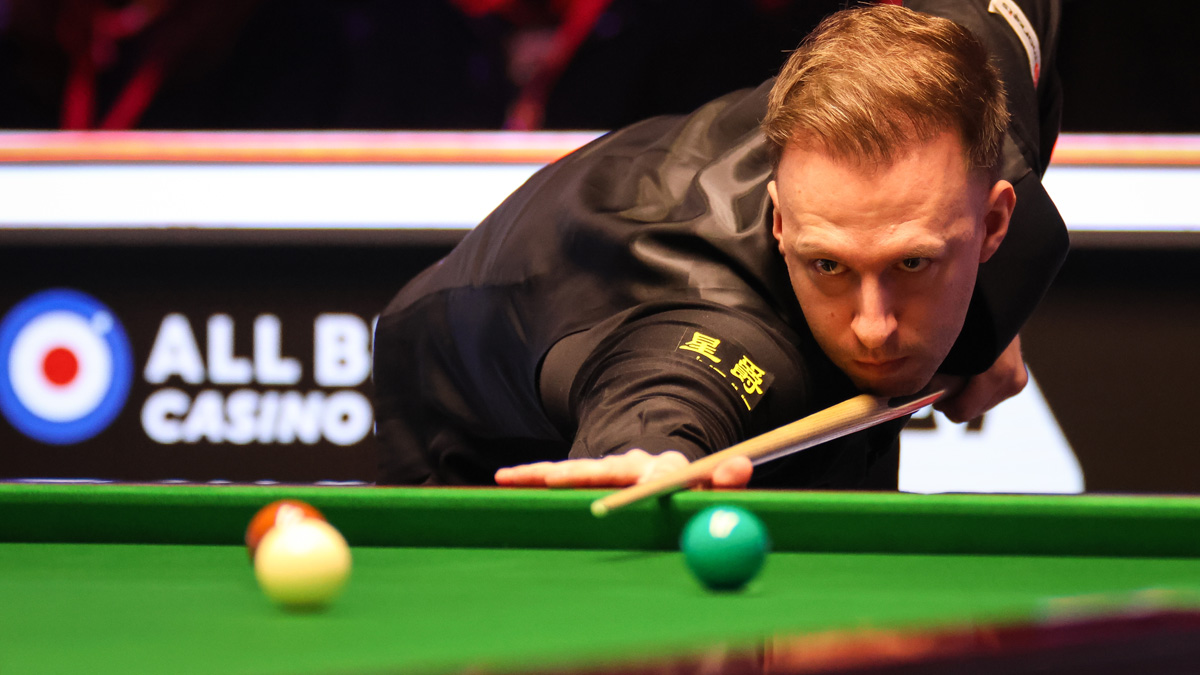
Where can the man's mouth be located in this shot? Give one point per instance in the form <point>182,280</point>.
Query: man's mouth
<point>880,366</point>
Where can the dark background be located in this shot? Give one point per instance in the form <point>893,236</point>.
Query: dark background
<point>444,64</point>
<point>1114,349</point>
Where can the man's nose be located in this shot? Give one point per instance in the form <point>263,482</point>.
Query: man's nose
<point>875,321</point>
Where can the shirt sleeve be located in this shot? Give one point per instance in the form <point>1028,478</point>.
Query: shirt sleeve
<point>694,379</point>
<point>687,379</point>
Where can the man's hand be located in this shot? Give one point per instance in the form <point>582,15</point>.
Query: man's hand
<point>635,466</point>
<point>1006,378</point>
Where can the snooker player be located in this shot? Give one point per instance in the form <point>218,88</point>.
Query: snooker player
<point>686,283</point>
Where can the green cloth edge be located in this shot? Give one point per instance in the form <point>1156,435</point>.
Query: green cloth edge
<point>1116,525</point>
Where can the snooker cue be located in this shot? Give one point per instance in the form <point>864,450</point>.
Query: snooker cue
<point>838,420</point>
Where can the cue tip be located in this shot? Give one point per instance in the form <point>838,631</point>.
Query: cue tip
<point>599,509</point>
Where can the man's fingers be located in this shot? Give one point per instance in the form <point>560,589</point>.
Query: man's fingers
<point>661,465</point>
<point>1004,379</point>
<point>581,473</point>
<point>565,474</point>
<point>733,473</point>
<point>970,402</point>
<point>613,470</point>
<point>981,394</point>
<point>962,406</point>
<point>526,475</point>
<point>635,466</point>
<point>610,471</point>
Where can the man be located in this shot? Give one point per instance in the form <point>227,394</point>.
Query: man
<point>667,290</point>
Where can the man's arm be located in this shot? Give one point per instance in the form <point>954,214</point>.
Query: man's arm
<point>664,389</point>
<point>1022,36</point>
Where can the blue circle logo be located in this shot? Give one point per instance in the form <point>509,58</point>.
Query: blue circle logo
<point>65,367</point>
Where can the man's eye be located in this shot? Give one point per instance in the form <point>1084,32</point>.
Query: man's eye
<point>914,264</point>
<point>826,266</point>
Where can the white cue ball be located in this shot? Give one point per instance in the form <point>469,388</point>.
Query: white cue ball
<point>303,564</point>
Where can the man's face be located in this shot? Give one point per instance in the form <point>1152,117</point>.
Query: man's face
<point>883,259</point>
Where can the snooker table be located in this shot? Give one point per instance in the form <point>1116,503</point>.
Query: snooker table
<point>154,578</point>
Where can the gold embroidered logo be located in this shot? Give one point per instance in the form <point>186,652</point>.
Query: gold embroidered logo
<point>748,380</point>
<point>750,375</point>
<point>704,345</point>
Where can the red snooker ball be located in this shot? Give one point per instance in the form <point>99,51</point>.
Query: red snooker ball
<point>282,512</point>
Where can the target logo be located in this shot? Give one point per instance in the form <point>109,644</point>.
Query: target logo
<point>65,367</point>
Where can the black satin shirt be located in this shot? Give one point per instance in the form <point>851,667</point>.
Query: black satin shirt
<point>631,295</point>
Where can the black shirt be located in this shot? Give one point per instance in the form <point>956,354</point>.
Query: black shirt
<point>631,295</point>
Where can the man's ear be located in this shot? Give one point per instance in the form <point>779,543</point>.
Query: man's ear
<point>777,215</point>
<point>1001,201</point>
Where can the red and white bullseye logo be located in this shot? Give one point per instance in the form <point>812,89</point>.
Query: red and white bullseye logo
<point>66,367</point>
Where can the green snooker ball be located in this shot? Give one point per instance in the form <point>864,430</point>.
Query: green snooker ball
<point>725,547</point>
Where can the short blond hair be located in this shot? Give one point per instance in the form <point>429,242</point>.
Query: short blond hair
<point>869,82</point>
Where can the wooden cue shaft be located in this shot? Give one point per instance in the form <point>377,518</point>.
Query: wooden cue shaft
<point>844,418</point>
